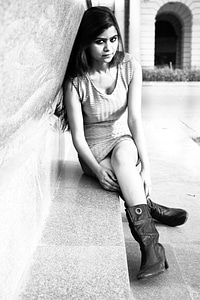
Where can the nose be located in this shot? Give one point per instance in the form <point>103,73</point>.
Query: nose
<point>107,46</point>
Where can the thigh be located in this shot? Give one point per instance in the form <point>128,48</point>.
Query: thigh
<point>85,168</point>
<point>128,146</point>
<point>106,162</point>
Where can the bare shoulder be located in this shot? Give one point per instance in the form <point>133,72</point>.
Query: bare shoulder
<point>67,84</point>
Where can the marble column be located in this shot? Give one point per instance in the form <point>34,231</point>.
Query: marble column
<point>134,28</point>
<point>119,14</point>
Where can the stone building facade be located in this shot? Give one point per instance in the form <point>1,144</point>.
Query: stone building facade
<point>160,32</point>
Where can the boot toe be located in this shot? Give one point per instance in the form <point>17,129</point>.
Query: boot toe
<point>179,217</point>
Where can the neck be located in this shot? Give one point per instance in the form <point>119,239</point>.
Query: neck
<point>100,68</point>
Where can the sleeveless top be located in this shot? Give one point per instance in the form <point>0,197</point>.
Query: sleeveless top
<point>105,115</point>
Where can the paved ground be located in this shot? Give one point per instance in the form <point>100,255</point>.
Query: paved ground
<point>175,168</point>
<point>171,122</point>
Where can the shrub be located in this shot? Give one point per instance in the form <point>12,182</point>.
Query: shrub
<point>168,74</point>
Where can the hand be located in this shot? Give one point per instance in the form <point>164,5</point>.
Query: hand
<point>146,178</point>
<point>108,179</point>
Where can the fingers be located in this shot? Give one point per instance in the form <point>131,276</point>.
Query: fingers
<point>147,189</point>
<point>110,185</point>
<point>145,176</point>
<point>112,175</point>
<point>112,180</point>
<point>109,181</point>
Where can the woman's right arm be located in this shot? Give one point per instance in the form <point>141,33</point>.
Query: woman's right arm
<point>74,113</point>
<point>75,117</point>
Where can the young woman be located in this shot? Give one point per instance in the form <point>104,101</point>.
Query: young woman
<point>102,100</point>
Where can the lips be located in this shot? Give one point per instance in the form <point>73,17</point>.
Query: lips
<point>107,55</point>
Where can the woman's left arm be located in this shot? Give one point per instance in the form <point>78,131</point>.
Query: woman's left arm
<point>136,126</point>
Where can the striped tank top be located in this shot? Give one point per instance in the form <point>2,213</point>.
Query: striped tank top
<point>105,115</point>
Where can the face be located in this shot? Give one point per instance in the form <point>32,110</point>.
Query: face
<point>104,47</point>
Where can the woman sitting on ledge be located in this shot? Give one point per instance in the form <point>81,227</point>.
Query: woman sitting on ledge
<point>102,98</point>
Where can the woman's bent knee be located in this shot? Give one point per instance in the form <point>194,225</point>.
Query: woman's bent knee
<point>124,152</point>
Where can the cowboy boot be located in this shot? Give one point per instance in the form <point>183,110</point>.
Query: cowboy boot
<point>166,215</point>
<point>153,260</point>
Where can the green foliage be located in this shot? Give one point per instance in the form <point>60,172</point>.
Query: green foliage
<point>168,74</point>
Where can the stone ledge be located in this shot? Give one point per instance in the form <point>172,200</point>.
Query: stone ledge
<point>81,254</point>
<point>26,191</point>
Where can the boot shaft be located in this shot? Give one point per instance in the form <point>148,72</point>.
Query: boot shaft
<point>142,225</point>
<point>143,229</point>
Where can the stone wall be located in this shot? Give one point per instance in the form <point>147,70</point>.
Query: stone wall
<point>35,43</point>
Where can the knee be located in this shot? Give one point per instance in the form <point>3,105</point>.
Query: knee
<point>119,156</point>
<point>124,155</point>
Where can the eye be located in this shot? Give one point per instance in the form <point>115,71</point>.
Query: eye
<point>114,39</point>
<point>99,42</point>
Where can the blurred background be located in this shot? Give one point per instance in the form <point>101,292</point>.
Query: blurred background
<point>159,33</point>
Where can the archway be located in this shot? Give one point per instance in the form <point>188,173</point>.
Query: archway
<point>168,36</point>
<point>173,36</point>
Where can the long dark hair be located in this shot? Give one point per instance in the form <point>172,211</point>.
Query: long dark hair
<point>95,20</point>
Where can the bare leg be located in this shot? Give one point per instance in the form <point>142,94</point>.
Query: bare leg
<point>123,161</point>
<point>165,215</point>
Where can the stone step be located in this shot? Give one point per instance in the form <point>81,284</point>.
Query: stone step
<point>81,254</point>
